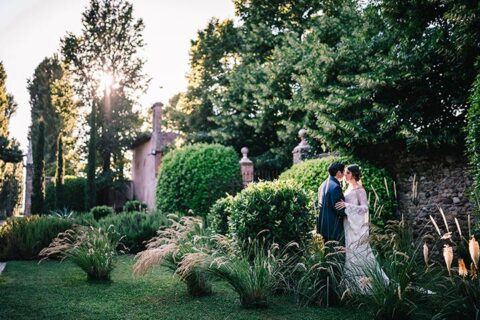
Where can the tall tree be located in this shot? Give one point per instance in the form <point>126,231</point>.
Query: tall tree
<point>106,62</point>
<point>59,188</point>
<point>52,99</point>
<point>90,187</point>
<point>10,153</point>
<point>38,179</point>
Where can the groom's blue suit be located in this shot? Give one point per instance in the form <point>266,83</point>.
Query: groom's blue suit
<point>330,220</point>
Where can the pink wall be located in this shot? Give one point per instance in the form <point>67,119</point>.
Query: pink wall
<point>144,173</point>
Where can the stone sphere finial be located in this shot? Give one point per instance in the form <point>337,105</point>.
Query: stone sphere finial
<point>302,133</point>
<point>244,151</point>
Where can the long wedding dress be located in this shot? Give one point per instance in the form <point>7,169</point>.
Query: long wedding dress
<point>360,262</point>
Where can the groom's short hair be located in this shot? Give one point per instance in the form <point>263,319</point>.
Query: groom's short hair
<point>335,167</point>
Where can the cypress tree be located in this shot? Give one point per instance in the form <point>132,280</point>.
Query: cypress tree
<point>59,188</point>
<point>90,191</point>
<point>38,180</point>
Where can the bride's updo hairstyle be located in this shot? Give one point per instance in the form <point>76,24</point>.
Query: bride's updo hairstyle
<point>356,172</point>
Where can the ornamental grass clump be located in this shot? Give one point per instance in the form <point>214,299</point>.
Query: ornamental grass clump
<point>91,249</point>
<point>255,274</point>
<point>408,291</point>
<point>182,248</point>
<point>316,279</point>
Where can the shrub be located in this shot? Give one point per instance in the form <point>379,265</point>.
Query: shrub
<point>84,219</point>
<point>134,205</point>
<point>218,215</point>
<point>181,248</point>
<point>377,182</point>
<point>73,193</point>
<point>92,249</point>
<point>282,207</point>
<point>473,133</point>
<point>194,177</point>
<point>99,212</point>
<point>23,238</point>
<point>135,227</point>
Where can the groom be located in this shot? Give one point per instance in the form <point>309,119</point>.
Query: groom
<point>330,220</point>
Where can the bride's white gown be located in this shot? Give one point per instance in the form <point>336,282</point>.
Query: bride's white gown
<point>360,262</point>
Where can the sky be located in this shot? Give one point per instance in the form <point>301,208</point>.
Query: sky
<point>30,30</point>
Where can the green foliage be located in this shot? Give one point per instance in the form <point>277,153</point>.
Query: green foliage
<point>23,238</point>
<point>9,149</point>
<point>362,77</point>
<point>254,279</point>
<point>91,249</point>
<point>52,100</point>
<point>134,205</point>
<point>317,278</point>
<point>218,215</point>
<point>10,187</point>
<point>109,45</point>
<point>194,177</point>
<point>38,179</point>
<point>90,186</point>
<point>136,228</point>
<point>73,191</point>
<point>99,212</point>
<point>59,188</point>
<point>473,133</point>
<point>311,173</point>
<point>282,207</point>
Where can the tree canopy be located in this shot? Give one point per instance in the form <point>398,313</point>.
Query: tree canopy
<point>360,76</point>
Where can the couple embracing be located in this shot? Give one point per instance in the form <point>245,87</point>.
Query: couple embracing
<point>343,217</point>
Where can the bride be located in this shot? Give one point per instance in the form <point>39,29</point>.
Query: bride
<point>360,263</point>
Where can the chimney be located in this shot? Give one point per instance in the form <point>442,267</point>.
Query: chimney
<point>157,117</point>
<point>157,124</point>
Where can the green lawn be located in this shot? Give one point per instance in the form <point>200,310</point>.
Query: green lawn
<point>53,290</point>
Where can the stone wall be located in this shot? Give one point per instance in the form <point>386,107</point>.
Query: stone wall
<point>441,181</point>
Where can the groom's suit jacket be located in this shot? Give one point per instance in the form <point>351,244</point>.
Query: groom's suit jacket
<point>330,220</point>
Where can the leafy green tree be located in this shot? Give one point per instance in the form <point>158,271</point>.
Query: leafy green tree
<point>397,77</point>
<point>38,179</point>
<point>212,55</point>
<point>52,99</point>
<point>9,149</point>
<point>60,172</point>
<point>10,153</point>
<point>90,186</point>
<point>108,69</point>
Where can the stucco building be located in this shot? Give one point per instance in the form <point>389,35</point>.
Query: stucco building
<point>147,157</point>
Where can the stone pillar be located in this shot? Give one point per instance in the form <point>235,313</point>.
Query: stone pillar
<point>246,167</point>
<point>28,181</point>
<point>302,149</point>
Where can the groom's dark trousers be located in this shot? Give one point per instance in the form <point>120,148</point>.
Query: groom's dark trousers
<point>330,220</point>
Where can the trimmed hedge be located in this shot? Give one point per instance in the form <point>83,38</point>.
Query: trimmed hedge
<point>282,207</point>
<point>135,227</point>
<point>217,218</point>
<point>194,177</point>
<point>23,238</point>
<point>311,173</point>
<point>74,194</point>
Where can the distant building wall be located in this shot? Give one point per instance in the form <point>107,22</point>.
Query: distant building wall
<point>147,157</point>
<point>144,177</point>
